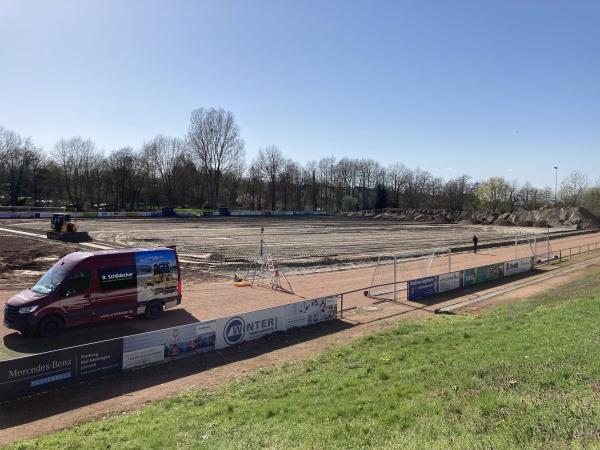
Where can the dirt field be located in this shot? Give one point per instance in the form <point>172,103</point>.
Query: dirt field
<point>223,245</point>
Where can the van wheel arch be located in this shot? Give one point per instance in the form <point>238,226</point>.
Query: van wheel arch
<point>51,325</point>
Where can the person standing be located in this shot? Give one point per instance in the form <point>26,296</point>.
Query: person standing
<point>475,242</point>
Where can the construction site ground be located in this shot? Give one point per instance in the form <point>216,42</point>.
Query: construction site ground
<point>206,298</point>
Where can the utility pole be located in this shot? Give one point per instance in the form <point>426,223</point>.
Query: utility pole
<point>555,183</point>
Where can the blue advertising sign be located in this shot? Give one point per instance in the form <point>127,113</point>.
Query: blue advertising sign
<point>422,287</point>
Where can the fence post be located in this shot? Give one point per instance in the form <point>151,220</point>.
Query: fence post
<point>395,279</point>
<point>449,260</point>
<point>560,256</point>
<point>341,306</point>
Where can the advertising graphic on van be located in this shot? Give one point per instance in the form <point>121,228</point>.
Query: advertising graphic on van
<point>156,274</point>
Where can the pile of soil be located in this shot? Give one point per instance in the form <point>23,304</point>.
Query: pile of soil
<point>577,217</point>
<point>28,256</point>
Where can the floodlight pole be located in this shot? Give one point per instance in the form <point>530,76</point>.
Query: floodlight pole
<point>555,183</point>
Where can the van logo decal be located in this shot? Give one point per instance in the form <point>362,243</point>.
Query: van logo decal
<point>234,330</point>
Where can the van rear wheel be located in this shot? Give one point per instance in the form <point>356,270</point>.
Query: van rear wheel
<point>51,326</point>
<point>154,310</point>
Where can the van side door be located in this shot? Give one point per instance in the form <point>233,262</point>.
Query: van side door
<point>74,297</point>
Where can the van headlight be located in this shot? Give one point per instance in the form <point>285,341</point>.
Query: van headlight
<point>27,309</point>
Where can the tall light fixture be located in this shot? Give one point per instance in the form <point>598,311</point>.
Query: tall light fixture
<point>555,183</point>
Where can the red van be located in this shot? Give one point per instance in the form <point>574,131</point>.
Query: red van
<point>86,287</point>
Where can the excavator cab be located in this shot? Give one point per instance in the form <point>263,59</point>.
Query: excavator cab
<point>63,229</point>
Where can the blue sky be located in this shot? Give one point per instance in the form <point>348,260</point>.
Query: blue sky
<point>506,88</point>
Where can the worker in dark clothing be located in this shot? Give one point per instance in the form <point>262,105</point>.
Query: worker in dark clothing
<point>475,241</point>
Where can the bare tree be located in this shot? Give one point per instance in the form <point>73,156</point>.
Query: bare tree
<point>15,155</point>
<point>37,161</point>
<point>215,141</point>
<point>74,157</point>
<point>165,154</point>
<point>271,161</point>
<point>573,187</point>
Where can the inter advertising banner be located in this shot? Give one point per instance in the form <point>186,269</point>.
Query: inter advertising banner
<point>422,287</point>
<point>518,266</point>
<point>163,345</point>
<point>449,281</point>
<point>28,375</point>
<point>483,274</point>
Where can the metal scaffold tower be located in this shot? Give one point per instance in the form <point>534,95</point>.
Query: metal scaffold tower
<point>264,272</point>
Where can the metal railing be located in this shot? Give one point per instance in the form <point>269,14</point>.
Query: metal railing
<point>547,258</point>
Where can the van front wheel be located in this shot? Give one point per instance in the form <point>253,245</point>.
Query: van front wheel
<point>51,326</point>
<point>154,310</point>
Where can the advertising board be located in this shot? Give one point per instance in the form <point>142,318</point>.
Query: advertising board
<point>483,274</point>
<point>305,313</point>
<point>449,281</point>
<point>31,374</point>
<point>421,287</point>
<point>518,266</point>
<point>169,343</point>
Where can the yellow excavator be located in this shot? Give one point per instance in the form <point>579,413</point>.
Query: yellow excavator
<point>63,229</point>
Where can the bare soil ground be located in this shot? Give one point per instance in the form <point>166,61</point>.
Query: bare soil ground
<point>222,245</point>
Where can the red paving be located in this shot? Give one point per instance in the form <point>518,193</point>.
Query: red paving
<point>217,299</point>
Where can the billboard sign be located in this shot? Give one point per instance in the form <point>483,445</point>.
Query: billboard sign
<point>518,266</point>
<point>169,343</point>
<point>483,274</point>
<point>422,287</point>
<point>449,281</point>
<point>31,374</point>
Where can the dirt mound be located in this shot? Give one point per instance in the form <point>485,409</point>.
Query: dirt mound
<point>577,217</point>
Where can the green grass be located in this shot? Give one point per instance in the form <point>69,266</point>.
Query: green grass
<point>527,375</point>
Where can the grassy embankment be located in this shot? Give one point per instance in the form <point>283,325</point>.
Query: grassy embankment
<point>527,375</point>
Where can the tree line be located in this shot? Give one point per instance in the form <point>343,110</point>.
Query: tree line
<point>207,168</point>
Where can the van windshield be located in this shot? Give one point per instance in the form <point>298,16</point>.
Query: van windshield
<point>49,281</point>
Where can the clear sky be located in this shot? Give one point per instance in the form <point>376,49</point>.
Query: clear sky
<point>494,87</point>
